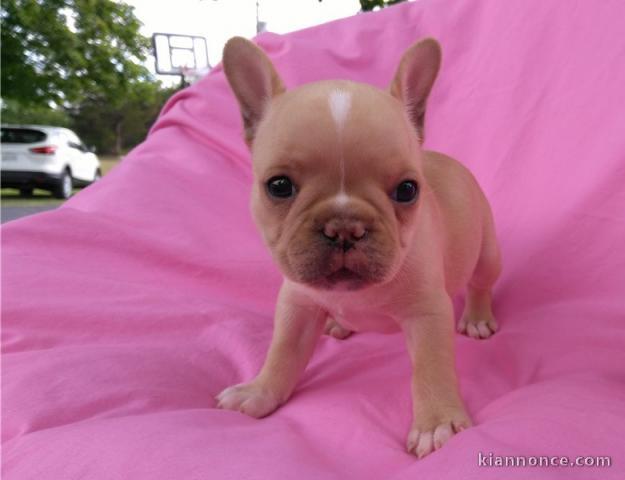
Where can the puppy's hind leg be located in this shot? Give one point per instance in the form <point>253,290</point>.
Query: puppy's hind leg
<point>335,329</point>
<point>477,320</point>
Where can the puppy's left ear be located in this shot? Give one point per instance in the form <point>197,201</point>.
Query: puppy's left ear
<point>414,79</point>
<point>253,80</point>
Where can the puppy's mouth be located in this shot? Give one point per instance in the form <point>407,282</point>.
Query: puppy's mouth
<point>325,266</point>
<point>343,274</point>
<point>343,278</point>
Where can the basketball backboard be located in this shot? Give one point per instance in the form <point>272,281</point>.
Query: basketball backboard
<point>178,54</point>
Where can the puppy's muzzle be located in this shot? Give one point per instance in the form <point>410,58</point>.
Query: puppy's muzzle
<point>343,233</point>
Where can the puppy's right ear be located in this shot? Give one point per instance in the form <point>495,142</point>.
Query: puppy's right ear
<point>414,79</point>
<point>253,80</point>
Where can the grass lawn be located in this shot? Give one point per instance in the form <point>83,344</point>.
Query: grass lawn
<point>11,197</point>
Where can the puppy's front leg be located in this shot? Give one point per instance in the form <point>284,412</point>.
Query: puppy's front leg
<point>297,327</point>
<point>438,410</point>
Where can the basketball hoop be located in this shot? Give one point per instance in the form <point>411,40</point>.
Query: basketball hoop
<point>181,55</point>
<point>192,75</point>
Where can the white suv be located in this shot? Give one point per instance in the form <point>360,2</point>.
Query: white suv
<point>50,158</point>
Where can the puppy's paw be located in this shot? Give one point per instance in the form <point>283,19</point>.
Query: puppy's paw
<point>249,398</point>
<point>334,329</point>
<point>432,433</point>
<point>477,324</point>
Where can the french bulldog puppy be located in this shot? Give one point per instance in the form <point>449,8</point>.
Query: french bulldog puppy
<point>371,232</point>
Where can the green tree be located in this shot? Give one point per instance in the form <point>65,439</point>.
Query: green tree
<point>115,127</point>
<point>60,52</point>
<point>14,112</point>
<point>78,63</point>
<point>368,5</point>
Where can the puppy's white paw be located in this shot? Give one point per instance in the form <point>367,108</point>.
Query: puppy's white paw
<point>334,329</point>
<point>425,437</point>
<point>477,326</point>
<point>249,398</point>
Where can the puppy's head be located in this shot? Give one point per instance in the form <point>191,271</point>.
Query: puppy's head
<point>337,166</point>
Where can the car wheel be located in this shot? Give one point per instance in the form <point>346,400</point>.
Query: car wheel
<point>26,191</point>
<point>97,176</point>
<point>64,186</point>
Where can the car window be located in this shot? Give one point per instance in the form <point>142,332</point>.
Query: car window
<point>22,135</point>
<point>71,136</point>
<point>73,141</point>
<point>75,145</point>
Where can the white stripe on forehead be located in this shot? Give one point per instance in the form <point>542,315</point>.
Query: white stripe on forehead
<point>340,101</point>
<point>341,199</point>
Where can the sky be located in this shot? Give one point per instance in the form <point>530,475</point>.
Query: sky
<point>218,20</point>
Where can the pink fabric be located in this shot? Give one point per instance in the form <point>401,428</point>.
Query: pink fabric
<point>129,308</point>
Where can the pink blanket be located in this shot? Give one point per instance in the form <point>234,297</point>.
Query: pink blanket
<point>129,308</point>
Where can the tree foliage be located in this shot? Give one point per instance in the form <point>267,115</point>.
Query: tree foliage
<point>116,128</point>
<point>63,51</point>
<point>368,5</point>
<point>80,64</point>
<point>15,112</point>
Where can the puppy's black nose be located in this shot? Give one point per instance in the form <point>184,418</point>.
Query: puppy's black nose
<point>344,234</point>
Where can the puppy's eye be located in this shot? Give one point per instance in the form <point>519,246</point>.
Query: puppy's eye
<point>405,192</point>
<point>280,187</point>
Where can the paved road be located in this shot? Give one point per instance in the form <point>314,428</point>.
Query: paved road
<point>12,213</point>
